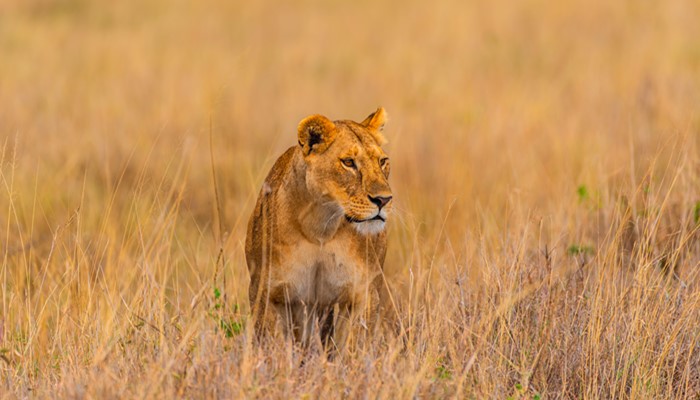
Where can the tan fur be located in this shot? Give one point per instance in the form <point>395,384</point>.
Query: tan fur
<point>308,252</point>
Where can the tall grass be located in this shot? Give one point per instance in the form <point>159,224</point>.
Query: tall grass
<point>545,163</point>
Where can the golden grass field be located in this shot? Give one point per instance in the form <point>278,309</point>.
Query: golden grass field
<point>545,164</point>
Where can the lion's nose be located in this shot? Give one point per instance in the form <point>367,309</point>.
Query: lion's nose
<point>380,201</point>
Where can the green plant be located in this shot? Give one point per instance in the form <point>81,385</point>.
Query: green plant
<point>231,324</point>
<point>578,250</point>
<point>443,372</point>
<point>582,192</point>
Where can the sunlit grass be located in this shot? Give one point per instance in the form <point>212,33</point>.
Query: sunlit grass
<point>545,163</point>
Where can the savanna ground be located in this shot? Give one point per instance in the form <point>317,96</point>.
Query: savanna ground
<point>545,163</point>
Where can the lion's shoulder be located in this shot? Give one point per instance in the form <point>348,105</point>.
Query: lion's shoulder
<point>280,170</point>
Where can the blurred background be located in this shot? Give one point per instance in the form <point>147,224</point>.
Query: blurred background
<point>116,119</point>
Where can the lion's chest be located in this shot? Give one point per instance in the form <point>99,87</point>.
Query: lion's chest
<point>322,275</point>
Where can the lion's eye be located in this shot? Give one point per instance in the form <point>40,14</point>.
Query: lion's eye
<point>348,162</point>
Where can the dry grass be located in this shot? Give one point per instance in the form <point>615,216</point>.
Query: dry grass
<point>546,162</point>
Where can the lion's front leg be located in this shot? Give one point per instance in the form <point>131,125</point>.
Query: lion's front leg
<point>297,320</point>
<point>356,320</point>
<point>340,329</point>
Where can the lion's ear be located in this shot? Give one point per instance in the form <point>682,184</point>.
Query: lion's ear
<point>376,120</point>
<point>316,133</point>
<point>375,123</point>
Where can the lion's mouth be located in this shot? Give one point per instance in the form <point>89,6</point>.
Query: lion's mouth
<point>357,221</point>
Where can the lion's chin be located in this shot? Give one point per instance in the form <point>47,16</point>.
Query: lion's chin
<point>371,227</point>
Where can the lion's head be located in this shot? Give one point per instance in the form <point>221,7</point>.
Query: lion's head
<point>347,166</point>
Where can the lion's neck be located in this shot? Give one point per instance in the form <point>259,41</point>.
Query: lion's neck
<point>319,218</point>
<point>319,222</point>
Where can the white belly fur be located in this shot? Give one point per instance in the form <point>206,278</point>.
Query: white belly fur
<point>319,274</point>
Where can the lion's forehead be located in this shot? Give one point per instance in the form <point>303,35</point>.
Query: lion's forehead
<point>359,140</point>
<point>374,151</point>
<point>358,150</point>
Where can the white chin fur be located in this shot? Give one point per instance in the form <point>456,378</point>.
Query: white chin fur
<point>369,227</point>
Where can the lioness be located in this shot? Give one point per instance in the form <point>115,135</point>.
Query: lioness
<point>316,240</point>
